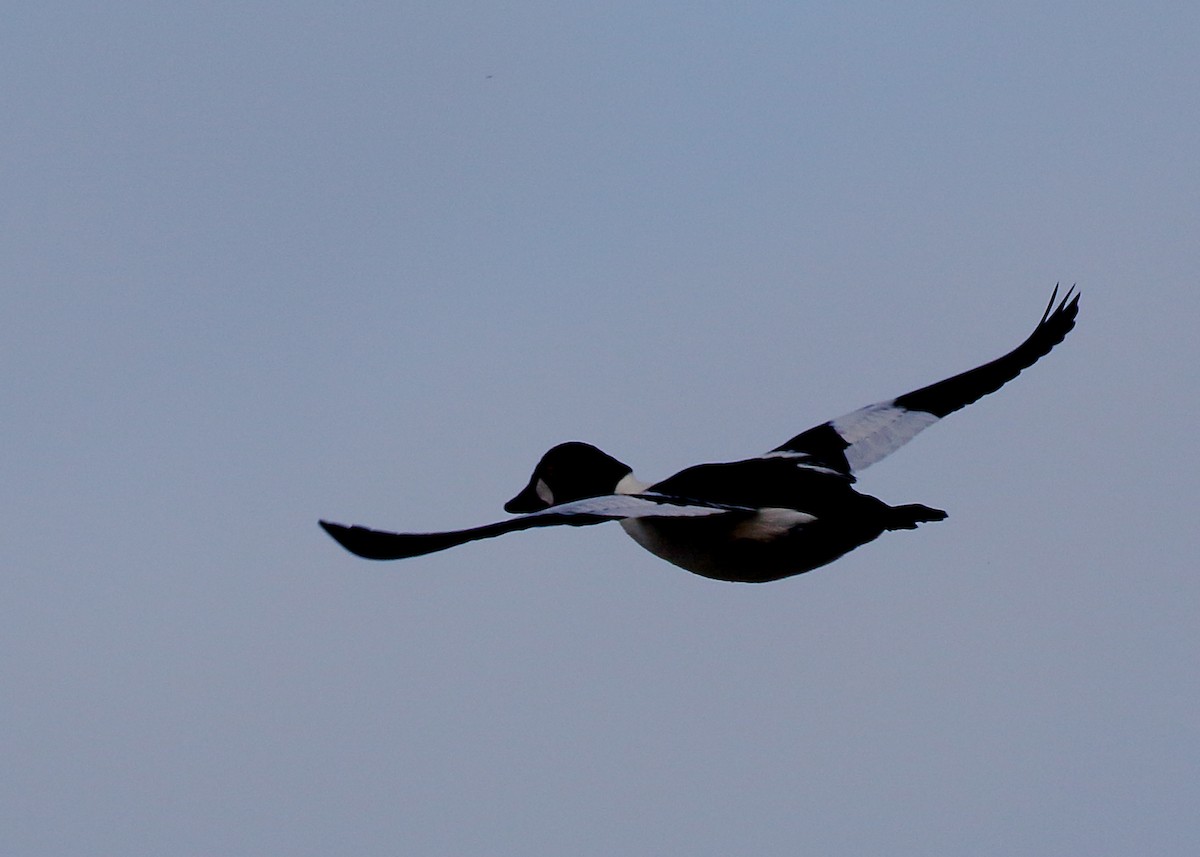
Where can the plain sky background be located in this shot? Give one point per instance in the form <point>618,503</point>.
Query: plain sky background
<point>264,263</point>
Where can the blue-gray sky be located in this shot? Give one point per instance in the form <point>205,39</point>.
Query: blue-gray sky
<point>266,263</point>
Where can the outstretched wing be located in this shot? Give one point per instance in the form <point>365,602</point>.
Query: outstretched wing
<point>379,544</point>
<point>860,438</point>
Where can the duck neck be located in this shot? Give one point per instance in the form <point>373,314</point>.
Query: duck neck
<point>630,484</point>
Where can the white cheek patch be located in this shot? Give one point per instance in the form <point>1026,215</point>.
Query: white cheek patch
<point>544,493</point>
<point>771,523</point>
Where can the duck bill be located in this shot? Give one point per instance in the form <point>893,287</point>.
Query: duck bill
<point>527,501</point>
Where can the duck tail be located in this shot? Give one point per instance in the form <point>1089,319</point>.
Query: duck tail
<point>908,516</point>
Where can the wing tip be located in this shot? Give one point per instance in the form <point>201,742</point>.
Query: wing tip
<point>1067,308</point>
<point>337,532</point>
<point>1056,323</point>
<point>331,529</point>
<point>360,541</point>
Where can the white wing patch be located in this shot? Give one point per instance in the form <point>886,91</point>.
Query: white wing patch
<point>617,506</point>
<point>879,430</point>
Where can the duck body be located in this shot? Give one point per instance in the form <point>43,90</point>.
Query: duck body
<point>785,514</point>
<point>759,519</point>
<point>803,520</point>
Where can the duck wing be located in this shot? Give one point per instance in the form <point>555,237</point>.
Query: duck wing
<point>381,544</point>
<point>860,438</point>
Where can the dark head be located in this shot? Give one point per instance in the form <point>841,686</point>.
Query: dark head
<point>569,471</point>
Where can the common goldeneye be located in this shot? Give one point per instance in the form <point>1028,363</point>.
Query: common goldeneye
<point>782,513</point>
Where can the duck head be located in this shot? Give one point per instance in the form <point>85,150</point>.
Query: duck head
<point>569,471</point>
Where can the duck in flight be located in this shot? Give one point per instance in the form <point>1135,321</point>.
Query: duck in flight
<point>765,518</point>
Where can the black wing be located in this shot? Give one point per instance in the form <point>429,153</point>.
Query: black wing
<point>860,438</point>
<point>380,544</point>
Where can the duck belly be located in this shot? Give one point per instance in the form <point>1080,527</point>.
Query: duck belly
<point>772,544</point>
